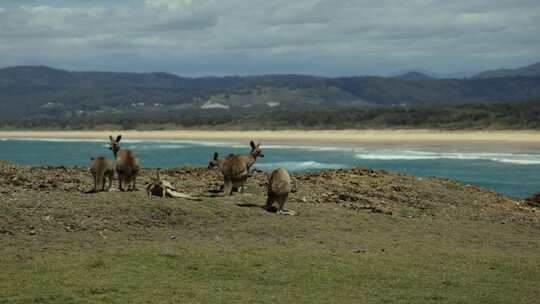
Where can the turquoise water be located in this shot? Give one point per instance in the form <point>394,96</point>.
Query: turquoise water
<point>511,172</point>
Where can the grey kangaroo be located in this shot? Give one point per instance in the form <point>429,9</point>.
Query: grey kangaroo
<point>236,168</point>
<point>216,162</point>
<point>101,169</point>
<point>279,187</point>
<point>127,165</point>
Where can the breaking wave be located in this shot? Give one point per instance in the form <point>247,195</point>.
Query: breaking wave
<point>521,159</point>
<point>53,139</point>
<point>155,147</point>
<point>299,165</point>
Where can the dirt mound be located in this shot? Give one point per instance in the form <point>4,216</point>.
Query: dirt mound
<point>384,192</point>
<point>59,193</point>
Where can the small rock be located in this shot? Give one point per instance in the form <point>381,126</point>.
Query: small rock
<point>173,237</point>
<point>534,200</point>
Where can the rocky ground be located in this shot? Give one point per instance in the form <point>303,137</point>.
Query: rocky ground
<point>357,190</point>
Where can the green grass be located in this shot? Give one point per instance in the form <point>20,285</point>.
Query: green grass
<point>149,251</point>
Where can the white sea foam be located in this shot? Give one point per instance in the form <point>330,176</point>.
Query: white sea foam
<point>358,152</point>
<point>53,139</point>
<point>193,142</point>
<point>514,158</point>
<point>299,165</point>
<point>304,147</point>
<point>224,144</point>
<point>155,147</point>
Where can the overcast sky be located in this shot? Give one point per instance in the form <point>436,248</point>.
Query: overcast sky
<point>238,37</point>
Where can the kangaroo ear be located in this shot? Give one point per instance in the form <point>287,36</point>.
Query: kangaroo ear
<point>118,138</point>
<point>216,155</point>
<point>252,144</point>
<point>110,137</point>
<point>258,145</point>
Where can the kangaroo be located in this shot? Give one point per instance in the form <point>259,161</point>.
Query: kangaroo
<point>127,165</point>
<point>101,169</point>
<point>236,168</point>
<point>216,162</point>
<point>279,187</point>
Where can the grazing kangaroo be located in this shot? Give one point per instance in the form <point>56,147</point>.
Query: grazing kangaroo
<point>101,168</point>
<point>279,187</point>
<point>127,165</point>
<point>236,168</point>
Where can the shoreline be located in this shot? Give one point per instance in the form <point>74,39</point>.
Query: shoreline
<point>382,137</point>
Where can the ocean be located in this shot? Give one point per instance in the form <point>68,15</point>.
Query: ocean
<point>511,171</point>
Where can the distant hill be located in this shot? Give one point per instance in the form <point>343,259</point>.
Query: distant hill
<point>457,75</point>
<point>36,92</point>
<point>532,70</point>
<point>414,76</point>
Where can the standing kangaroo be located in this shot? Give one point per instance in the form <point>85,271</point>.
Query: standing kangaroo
<point>279,187</point>
<point>236,168</point>
<point>127,165</point>
<point>101,169</point>
<point>216,162</point>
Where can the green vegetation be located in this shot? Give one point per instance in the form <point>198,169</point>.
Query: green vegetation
<point>217,252</point>
<point>492,116</point>
<point>442,243</point>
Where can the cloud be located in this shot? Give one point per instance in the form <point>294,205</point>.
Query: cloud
<point>199,37</point>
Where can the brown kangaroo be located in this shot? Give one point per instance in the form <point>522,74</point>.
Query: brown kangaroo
<point>127,165</point>
<point>279,187</point>
<point>236,168</point>
<point>101,169</point>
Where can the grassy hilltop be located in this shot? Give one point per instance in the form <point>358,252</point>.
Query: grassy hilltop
<point>361,236</point>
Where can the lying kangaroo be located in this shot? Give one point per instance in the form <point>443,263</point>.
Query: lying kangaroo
<point>101,168</point>
<point>279,187</point>
<point>127,165</point>
<point>236,168</point>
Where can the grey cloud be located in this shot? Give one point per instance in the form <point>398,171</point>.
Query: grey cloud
<point>261,36</point>
<point>195,22</point>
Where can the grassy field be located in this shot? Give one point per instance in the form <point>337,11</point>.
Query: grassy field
<point>61,245</point>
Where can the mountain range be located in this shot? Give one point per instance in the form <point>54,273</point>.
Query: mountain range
<point>532,70</point>
<point>38,91</point>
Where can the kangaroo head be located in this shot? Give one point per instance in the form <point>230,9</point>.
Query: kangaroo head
<point>256,150</point>
<point>114,145</point>
<point>214,162</point>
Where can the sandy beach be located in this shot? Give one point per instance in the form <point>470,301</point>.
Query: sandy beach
<point>421,137</point>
